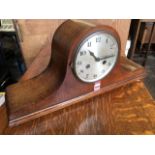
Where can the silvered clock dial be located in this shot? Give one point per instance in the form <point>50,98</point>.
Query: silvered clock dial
<point>96,56</point>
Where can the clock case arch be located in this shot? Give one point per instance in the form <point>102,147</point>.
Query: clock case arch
<point>73,32</point>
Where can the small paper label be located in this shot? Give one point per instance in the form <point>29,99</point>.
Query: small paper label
<point>97,86</point>
<point>2,98</point>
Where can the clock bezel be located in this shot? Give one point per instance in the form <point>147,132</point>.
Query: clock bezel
<point>90,34</point>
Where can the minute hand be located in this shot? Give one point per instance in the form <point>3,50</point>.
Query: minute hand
<point>106,57</point>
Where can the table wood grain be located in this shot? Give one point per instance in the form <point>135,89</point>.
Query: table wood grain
<point>126,110</point>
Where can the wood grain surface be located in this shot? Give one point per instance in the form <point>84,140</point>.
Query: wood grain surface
<point>3,118</point>
<point>126,110</point>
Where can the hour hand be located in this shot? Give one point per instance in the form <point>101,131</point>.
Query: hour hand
<point>93,55</point>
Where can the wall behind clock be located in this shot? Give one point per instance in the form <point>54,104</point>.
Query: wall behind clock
<point>36,33</point>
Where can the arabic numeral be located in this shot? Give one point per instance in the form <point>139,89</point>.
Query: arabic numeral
<point>107,41</point>
<point>82,53</point>
<point>81,71</point>
<point>112,46</point>
<point>109,63</point>
<point>95,76</point>
<point>79,63</point>
<point>87,75</point>
<point>102,71</point>
<point>98,39</point>
<point>89,44</point>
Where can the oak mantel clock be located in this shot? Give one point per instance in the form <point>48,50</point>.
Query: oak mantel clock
<point>86,61</point>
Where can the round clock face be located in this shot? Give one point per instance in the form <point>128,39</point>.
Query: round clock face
<point>96,56</point>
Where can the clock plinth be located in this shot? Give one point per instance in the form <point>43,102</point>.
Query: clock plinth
<point>58,87</point>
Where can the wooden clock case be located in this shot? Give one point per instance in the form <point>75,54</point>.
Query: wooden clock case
<point>58,87</point>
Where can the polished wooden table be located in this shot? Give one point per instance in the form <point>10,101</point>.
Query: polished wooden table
<point>126,110</point>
